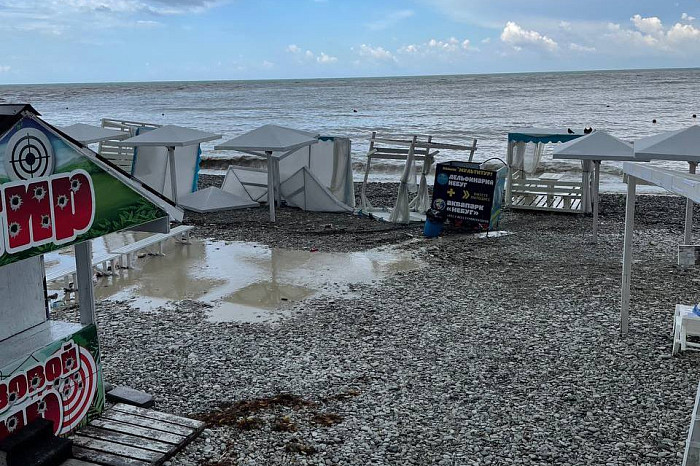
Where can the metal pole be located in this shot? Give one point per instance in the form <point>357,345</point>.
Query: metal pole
<point>173,174</point>
<point>270,185</point>
<point>688,233</point>
<point>509,179</point>
<point>627,254</point>
<point>86,292</point>
<point>596,192</point>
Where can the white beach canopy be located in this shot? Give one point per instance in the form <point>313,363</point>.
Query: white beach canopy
<point>305,191</point>
<point>683,184</point>
<point>89,134</point>
<point>401,212</point>
<point>170,136</point>
<point>596,147</point>
<point>274,143</point>
<point>214,199</point>
<point>679,145</point>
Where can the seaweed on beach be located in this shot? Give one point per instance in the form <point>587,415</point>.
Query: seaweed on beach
<point>232,413</point>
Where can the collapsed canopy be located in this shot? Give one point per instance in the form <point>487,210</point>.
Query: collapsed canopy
<point>213,199</point>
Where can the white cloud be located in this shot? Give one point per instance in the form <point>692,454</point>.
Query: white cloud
<point>323,58</point>
<point>650,35</point>
<point>651,25</point>
<point>438,47</point>
<point>683,34</point>
<point>267,64</point>
<point>390,20</point>
<point>687,17</point>
<point>574,47</point>
<point>375,53</point>
<point>519,38</point>
<point>5,68</point>
<point>57,17</point>
<point>308,55</point>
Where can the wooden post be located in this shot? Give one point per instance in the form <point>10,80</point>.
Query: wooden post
<point>688,233</point>
<point>86,292</point>
<point>270,185</point>
<point>627,254</point>
<point>596,192</point>
<point>173,174</point>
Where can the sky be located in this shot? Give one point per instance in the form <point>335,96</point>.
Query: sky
<point>49,41</point>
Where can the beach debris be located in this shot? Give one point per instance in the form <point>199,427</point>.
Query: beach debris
<point>327,419</point>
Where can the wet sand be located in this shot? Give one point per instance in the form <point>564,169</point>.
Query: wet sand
<point>499,350</point>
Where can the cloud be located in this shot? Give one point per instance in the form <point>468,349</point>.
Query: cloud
<point>574,47</point>
<point>390,20</point>
<point>5,68</point>
<point>60,16</point>
<point>687,17</point>
<point>375,53</point>
<point>323,58</point>
<point>651,26</point>
<point>308,55</point>
<point>520,38</point>
<point>650,35</point>
<point>438,47</point>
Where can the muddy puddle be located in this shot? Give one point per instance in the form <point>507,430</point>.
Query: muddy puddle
<point>243,282</point>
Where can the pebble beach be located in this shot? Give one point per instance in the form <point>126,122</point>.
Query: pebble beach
<point>499,350</point>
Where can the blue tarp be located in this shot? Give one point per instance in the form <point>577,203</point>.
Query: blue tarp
<point>543,135</point>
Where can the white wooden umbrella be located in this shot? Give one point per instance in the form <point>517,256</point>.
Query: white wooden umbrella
<point>274,143</point>
<point>595,147</point>
<point>170,136</point>
<point>680,145</point>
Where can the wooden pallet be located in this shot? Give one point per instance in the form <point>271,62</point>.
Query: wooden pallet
<point>125,435</point>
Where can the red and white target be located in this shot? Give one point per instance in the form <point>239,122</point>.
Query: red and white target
<point>77,392</point>
<point>29,154</point>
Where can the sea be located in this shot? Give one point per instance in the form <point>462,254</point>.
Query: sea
<point>629,104</point>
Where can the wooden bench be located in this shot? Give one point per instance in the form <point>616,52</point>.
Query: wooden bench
<point>104,263</point>
<point>126,253</point>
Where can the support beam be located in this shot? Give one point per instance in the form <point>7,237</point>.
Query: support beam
<point>627,254</point>
<point>86,292</point>
<point>596,199</point>
<point>688,233</point>
<point>173,173</point>
<point>270,185</point>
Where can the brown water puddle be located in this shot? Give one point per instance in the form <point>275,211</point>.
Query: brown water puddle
<point>244,282</point>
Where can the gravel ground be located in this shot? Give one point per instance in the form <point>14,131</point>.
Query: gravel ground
<point>501,351</point>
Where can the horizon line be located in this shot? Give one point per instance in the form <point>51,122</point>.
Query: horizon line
<point>602,70</point>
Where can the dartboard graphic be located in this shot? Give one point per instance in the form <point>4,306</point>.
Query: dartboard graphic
<point>77,392</point>
<point>29,155</point>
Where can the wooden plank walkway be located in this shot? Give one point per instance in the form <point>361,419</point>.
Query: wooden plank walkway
<point>125,435</point>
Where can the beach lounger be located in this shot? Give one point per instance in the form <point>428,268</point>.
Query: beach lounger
<point>685,323</point>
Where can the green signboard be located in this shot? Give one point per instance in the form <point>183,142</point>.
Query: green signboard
<point>53,195</point>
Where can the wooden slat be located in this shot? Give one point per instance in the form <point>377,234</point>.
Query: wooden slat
<point>145,422</point>
<point>140,454</point>
<point>160,416</point>
<point>108,459</point>
<point>131,429</point>
<point>126,439</point>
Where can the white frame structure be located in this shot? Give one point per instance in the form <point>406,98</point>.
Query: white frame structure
<point>545,192</point>
<point>683,184</point>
